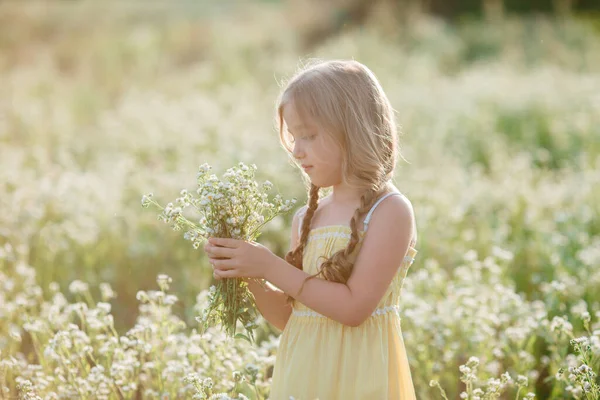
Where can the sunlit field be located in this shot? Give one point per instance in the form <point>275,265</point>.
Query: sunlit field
<point>100,104</point>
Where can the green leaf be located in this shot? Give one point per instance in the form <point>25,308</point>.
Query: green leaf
<point>242,336</point>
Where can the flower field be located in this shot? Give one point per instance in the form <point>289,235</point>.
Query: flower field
<point>101,103</point>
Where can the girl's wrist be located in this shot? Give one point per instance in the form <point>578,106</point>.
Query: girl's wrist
<point>270,268</point>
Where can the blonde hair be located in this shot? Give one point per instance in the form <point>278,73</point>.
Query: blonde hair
<point>345,99</point>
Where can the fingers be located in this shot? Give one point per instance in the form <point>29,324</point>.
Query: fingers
<point>223,264</point>
<point>221,274</point>
<point>231,243</point>
<point>218,252</point>
<point>218,271</point>
<point>225,269</point>
<point>221,253</point>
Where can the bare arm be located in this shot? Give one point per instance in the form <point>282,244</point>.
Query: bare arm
<point>271,301</point>
<point>381,255</point>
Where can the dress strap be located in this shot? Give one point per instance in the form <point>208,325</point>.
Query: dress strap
<point>368,218</point>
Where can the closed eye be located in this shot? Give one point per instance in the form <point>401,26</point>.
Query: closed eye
<point>305,137</point>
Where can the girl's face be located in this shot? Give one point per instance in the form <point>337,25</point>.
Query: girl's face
<point>314,149</point>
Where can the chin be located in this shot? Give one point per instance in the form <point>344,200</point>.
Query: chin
<point>317,182</point>
<point>324,183</point>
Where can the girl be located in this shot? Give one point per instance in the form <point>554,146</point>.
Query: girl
<point>336,294</point>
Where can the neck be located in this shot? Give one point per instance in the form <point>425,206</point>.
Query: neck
<point>343,194</point>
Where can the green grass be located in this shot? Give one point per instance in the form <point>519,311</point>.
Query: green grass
<point>103,103</point>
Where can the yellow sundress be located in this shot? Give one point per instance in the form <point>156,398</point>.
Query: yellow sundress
<point>319,358</point>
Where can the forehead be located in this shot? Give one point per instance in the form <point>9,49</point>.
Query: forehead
<point>294,120</point>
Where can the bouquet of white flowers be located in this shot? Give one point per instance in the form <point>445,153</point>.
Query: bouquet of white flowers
<point>237,207</point>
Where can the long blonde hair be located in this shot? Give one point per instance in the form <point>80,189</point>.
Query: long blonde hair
<point>345,99</point>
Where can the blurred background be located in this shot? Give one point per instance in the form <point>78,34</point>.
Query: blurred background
<point>102,102</point>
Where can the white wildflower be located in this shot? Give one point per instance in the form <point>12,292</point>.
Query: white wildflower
<point>78,287</point>
<point>103,307</point>
<point>163,281</point>
<point>107,292</point>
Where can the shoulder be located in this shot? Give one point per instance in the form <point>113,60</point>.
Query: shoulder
<point>298,215</point>
<point>323,203</point>
<point>392,216</point>
<point>295,234</point>
<point>393,209</point>
<point>300,212</point>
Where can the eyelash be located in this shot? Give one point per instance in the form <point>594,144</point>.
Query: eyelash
<point>309,137</point>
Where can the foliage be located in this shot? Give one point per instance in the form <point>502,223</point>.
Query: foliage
<point>500,139</point>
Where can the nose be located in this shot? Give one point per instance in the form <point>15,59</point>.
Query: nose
<point>298,152</point>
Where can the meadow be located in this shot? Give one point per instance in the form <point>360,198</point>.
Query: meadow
<point>102,103</point>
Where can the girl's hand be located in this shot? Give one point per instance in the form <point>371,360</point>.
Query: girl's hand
<point>232,258</point>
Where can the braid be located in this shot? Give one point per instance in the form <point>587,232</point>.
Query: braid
<point>339,266</point>
<point>295,256</point>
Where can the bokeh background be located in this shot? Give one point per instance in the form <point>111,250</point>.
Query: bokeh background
<point>499,107</point>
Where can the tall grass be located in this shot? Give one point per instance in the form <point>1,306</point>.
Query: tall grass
<point>501,134</point>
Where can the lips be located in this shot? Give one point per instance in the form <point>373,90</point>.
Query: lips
<point>306,167</point>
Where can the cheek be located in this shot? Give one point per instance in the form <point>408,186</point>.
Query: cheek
<point>333,156</point>
<point>332,161</point>
<point>327,150</point>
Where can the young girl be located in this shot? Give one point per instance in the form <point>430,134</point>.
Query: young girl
<point>336,294</point>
